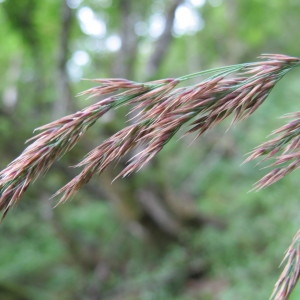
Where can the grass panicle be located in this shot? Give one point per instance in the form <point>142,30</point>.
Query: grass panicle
<point>291,272</point>
<point>158,110</point>
<point>283,150</point>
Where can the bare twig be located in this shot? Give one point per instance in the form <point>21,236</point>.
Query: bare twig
<point>64,96</point>
<point>162,44</point>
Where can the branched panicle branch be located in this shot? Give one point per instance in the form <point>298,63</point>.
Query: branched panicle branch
<point>284,150</point>
<point>160,109</point>
<point>57,138</point>
<point>291,272</point>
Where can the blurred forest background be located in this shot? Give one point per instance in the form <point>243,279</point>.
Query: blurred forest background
<point>185,226</point>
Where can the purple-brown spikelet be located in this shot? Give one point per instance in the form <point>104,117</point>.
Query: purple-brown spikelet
<point>291,272</point>
<point>159,110</point>
<point>57,138</point>
<point>283,149</point>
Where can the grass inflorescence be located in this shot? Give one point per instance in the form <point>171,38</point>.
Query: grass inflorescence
<point>291,272</point>
<point>158,110</point>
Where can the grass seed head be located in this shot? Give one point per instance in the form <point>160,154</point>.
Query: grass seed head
<point>159,110</point>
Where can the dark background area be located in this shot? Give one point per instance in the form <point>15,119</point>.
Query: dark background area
<point>185,227</point>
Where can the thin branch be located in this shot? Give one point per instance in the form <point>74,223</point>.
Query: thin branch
<point>163,42</point>
<point>64,97</point>
<point>126,58</point>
